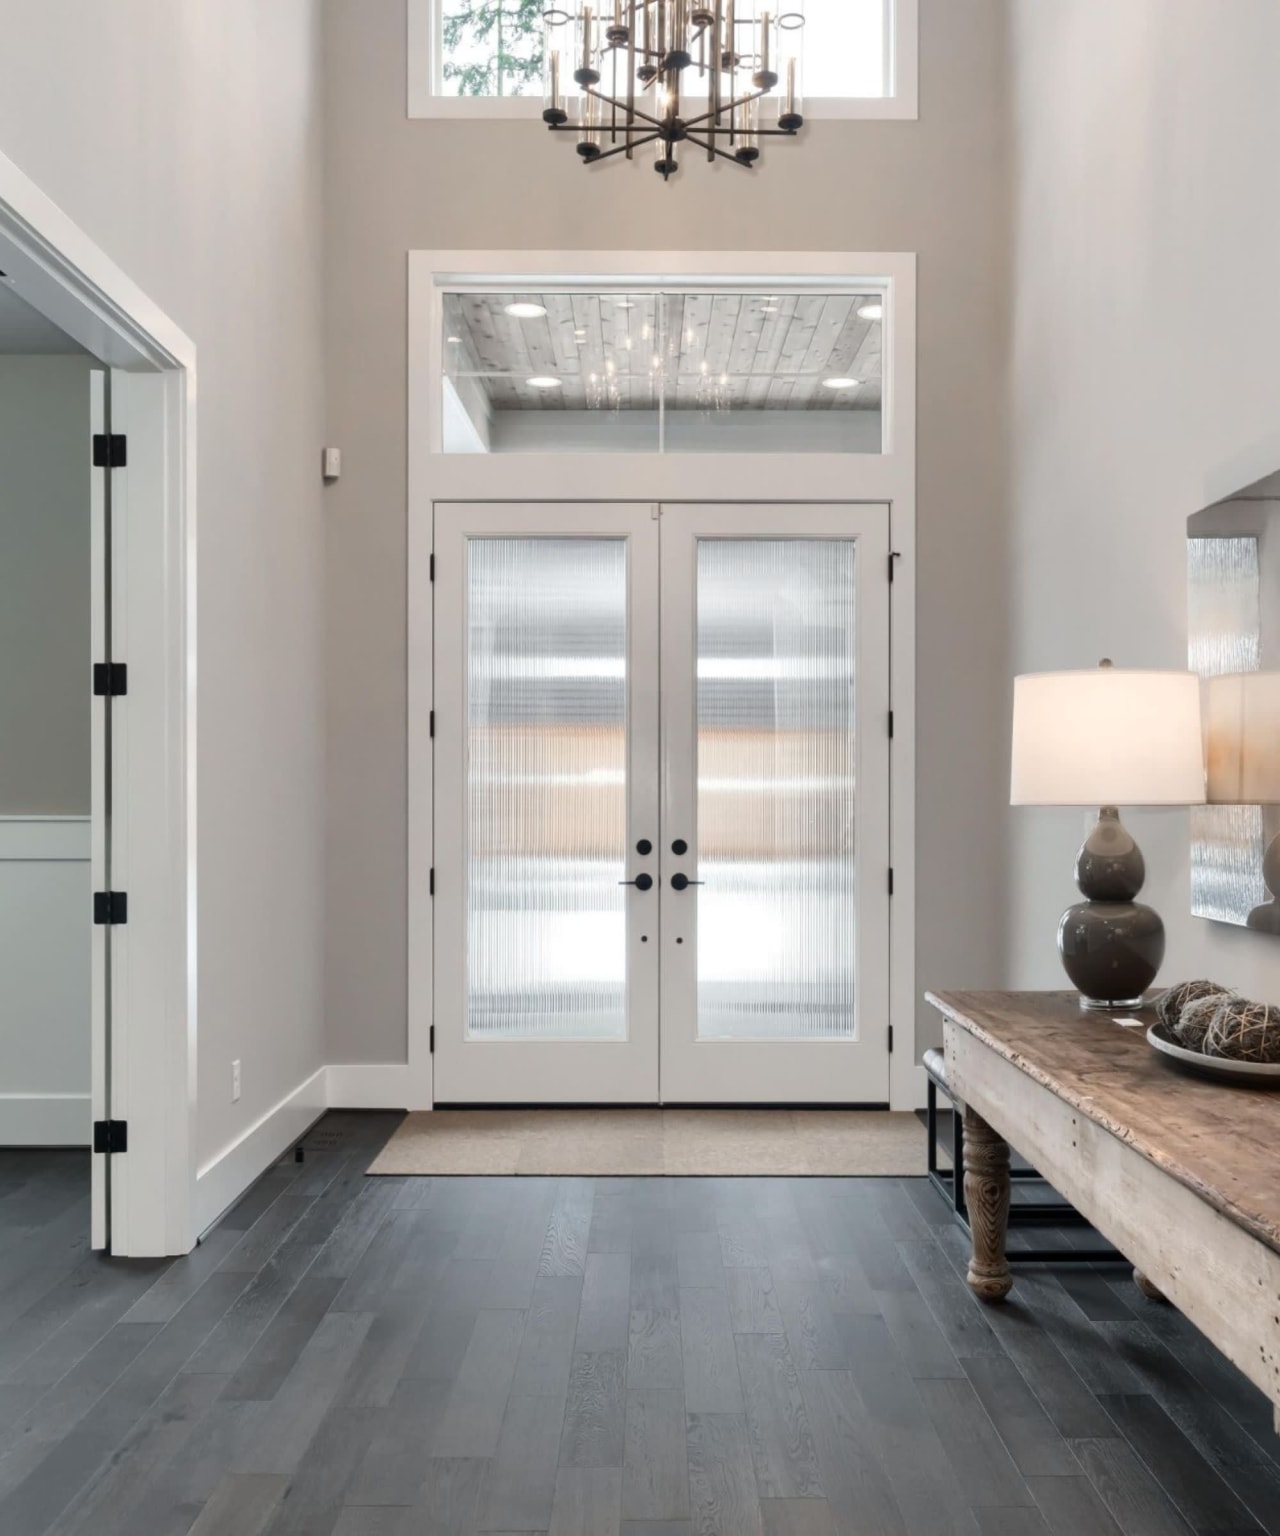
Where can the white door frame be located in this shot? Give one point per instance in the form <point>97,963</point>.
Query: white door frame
<point>888,477</point>
<point>58,270</point>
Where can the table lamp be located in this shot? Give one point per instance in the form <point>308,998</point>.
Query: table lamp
<point>1242,756</point>
<point>1108,737</point>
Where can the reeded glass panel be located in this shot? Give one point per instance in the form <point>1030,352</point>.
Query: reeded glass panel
<point>546,789</point>
<point>777,667</point>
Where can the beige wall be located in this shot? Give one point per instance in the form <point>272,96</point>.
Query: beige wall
<point>936,187</point>
<point>44,586</point>
<point>1147,243</point>
<point>185,138</point>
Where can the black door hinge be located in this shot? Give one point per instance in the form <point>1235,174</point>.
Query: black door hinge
<point>891,881</point>
<point>894,555</point>
<point>110,679</point>
<point>431,1047</point>
<point>110,908</point>
<point>433,724</point>
<point>890,725</point>
<point>433,568</point>
<point>891,1039</point>
<point>110,1135</point>
<point>431,883</point>
<point>110,450</point>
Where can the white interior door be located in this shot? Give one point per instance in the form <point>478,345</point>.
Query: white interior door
<point>546,802</point>
<point>775,804</point>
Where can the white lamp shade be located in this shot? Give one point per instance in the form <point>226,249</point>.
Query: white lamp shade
<point>1108,736</point>
<point>1242,738</point>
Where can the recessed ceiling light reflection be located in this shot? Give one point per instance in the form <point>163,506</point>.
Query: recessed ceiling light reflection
<point>543,381</point>
<point>525,311</point>
<point>839,383</point>
<point>871,312</point>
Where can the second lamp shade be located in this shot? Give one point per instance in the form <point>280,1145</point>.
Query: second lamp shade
<point>1108,736</point>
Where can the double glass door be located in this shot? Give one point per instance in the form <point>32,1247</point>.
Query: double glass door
<point>661,804</point>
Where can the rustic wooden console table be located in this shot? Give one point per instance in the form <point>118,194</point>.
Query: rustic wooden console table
<point>1180,1173</point>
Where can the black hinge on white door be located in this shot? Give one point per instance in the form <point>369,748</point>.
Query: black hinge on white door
<point>433,724</point>
<point>110,908</point>
<point>891,1039</point>
<point>891,880</point>
<point>890,725</point>
<point>110,679</point>
<point>893,555</point>
<point>431,883</point>
<point>433,568</point>
<point>110,1135</point>
<point>110,450</point>
<point>431,1041</point>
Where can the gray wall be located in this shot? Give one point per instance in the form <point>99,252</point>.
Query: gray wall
<point>44,586</point>
<point>1147,242</point>
<point>185,138</point>
<point>937,187</point>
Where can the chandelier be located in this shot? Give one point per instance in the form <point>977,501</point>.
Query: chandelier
<point>672,73</point>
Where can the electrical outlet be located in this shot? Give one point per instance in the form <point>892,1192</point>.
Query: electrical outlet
<point>235,1081</point>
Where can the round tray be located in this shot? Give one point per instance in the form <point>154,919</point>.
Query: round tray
<point>1257,1074</point>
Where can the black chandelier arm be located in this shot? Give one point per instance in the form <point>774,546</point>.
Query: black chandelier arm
<point>623,107</point>
<point>728,106</point>
<point>724,154</point>
<point>605,154</point>
<point>755,133</point>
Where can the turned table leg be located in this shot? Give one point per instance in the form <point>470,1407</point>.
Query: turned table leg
<point>1151,1292</point>
<point>986,1192</point>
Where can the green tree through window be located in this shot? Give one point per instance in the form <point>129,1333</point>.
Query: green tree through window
<point>493,47</point>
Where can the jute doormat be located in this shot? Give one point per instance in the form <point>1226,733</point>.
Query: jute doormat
<point>698,1142</point>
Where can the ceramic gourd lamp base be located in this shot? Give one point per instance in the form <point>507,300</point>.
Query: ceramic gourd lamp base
<point>1111,945</point>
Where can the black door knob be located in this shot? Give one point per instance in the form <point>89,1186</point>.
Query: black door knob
<point>641,882</point>
<point>644,847</point>
<point>682,882</point>
<point>679,847</point>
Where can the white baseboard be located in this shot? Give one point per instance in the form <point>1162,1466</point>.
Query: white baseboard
<point>45,1120</point>
<point>226,1176</point>
<point>381,1085</point>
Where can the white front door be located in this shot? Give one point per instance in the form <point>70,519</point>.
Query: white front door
<point>775,804</point>
<point>546,790</point>
<point>661,882</point>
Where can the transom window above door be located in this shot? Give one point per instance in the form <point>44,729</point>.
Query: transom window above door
<point>662,372</point>
<point>483,58</point>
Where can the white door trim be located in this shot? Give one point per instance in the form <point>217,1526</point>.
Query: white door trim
<point>59,270</point>
<point>888,477</point>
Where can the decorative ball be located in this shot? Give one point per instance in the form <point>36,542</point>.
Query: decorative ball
<point>1197,1018</point>
<point>1169,1008</point>
<point>1244,1031</point>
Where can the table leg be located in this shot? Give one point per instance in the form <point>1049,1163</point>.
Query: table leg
<point>986,1191</point>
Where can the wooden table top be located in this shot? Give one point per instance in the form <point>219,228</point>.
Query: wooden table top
<point>1221,1141</point>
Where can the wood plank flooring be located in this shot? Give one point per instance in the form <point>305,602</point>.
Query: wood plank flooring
<point>347,1356</point>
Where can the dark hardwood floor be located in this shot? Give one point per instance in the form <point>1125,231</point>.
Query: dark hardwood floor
<point>347,1356</point>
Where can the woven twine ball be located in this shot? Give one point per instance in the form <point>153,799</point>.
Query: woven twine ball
<point>1197,1017</point>
<point>1169,1008</point>
<point>1244,1031</point>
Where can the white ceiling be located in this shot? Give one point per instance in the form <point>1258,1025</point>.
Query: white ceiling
<point>618,350</point>
<point>25,332</point>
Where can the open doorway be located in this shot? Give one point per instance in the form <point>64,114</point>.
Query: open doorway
<point>130,449</point>
<point>47,742</point>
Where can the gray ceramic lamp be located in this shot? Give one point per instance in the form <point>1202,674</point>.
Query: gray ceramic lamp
<point>1108,737</point>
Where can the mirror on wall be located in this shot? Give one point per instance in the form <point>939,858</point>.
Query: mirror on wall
<point>1233,629</point>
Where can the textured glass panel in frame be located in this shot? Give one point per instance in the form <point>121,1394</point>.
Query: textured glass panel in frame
<point>546,789</point>
<point>1224,627</point>
<point>777,656</point>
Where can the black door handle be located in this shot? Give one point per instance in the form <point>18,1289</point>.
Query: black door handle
<point>641,882</point>
<point>683,882</point>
